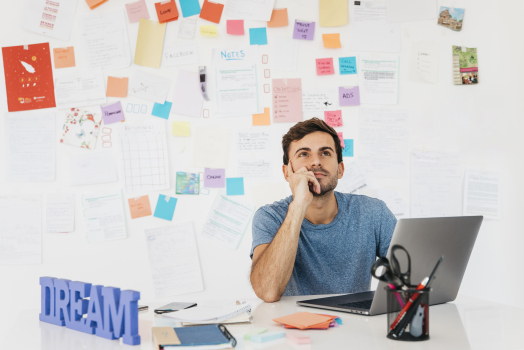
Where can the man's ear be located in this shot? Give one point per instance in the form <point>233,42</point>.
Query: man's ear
<point>340,169</point>
<point>284,171</point>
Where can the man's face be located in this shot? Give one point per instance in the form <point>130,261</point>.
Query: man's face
<point>316,152</point>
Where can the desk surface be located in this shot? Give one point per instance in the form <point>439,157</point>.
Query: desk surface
<point>467,323</point>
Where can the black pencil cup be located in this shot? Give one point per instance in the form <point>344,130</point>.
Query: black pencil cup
<point>413,324</point>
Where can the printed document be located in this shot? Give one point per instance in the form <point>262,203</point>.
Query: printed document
<point>237,89</point>
<point>409,10</point>
<point>60,213</point>
<point>398,206</point>
<point>254,166</point>
<point>256,10</point>
<point>354,178</point>
<point>379,84</point>
<point>51,18</point>
<point>482,194</point>
<point>84,88</point>
<point>92,168</point>
<point>104,216</point>
<point>423,65</point>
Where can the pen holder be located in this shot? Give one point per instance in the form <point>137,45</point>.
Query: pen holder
<point>408,314</point>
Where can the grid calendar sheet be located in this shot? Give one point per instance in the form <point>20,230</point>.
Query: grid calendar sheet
<point>144,158</point>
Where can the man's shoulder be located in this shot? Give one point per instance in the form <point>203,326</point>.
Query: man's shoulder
<point>360,201</point>
<point>276,210</point>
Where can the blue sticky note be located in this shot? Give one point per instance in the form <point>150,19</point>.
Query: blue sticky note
<point>189,7</point>
<point>347,65</point>
<point>165,209</point>
<point>235,186</point>
<point>347,151</point>
<point>257,36</point>
<point>162,111</point>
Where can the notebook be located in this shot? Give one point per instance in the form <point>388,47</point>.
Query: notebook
<point>209,314</point>
<point>202,337</point>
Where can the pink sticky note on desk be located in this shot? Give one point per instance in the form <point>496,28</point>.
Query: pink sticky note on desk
<point>235,26</point>
<point>341,139</point>
<point>349,96</point>
<point>137,10</point>
<point>112,113</point>
<point>299,339</point>
<point>325,66</point>
<point>333,118</point>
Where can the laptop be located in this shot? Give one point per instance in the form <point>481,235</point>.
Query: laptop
<point>426,240</point>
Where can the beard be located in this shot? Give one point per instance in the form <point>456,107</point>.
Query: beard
<point>326,186</point>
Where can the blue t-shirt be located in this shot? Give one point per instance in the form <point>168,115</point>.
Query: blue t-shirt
<point>336,257</point>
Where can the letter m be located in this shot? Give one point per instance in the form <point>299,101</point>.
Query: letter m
<point>121,315</point>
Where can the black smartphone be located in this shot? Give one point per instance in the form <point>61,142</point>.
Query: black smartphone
<point>172,307</point>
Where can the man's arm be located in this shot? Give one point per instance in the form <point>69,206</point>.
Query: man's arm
<point>273,263</point>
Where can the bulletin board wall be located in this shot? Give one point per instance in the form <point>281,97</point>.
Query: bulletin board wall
<point>483,123</point>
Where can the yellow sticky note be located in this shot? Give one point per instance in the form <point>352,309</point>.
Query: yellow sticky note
<point>149,43</point>
<point>331,41</point>
<point>210,30</point>
<point>181,129</point>
<point>333,13</point>
<point>262,119</point>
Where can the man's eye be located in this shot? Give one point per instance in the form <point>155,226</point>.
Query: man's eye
<point>325,153</point>
<point>303,154</point>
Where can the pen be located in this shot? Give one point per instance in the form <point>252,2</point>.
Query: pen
<point>410,301</point>
<point>399,299</point>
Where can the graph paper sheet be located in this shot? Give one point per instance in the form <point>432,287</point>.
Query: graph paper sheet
<point>144,159</point>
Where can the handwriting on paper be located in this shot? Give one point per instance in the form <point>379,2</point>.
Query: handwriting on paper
<point>304,30</point>
<point>348,65</point>
<point>325,66</point>
<point>333,118</point>
<point>287,100</point>
<point>349,96</point>
<point>253,141</point>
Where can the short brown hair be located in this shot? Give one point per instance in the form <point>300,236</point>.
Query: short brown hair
<point>300,130</point>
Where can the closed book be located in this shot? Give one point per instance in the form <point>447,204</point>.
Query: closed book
<point>203,337</point>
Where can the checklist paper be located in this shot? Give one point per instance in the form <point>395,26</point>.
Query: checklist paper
<point>104,216</point>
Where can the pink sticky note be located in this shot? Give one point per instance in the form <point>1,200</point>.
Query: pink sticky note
<point>349,96</point>
<point>287,100</point>
<point>325,66</point>
<point>299,339</point>
<point>137,10</point>
<point>235,26</point>
<point>333,118</point>
<point>341,139</point>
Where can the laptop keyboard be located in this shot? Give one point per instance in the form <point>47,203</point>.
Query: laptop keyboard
<point>363,304</point>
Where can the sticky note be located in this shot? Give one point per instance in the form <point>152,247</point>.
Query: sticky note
<point>165,207</point>
<point>112,113</point>
<point>295,338</point>
<point>333,13</point>
<point>325,66</point>
<point>341,137</point>
<point>211,11</point>
<point>303,320</point>
<point>149,43</point>
<point>209,30</point>
<point>349,96</point>
<point>333,118</point>
<point>304,30</point>
<point>94,3</point>
<point>162,110</point>
<point>347,65</point>
<point>181,129</point>
<point>189,7</point>
<point>139,207</point>
<point>166,11</point>
<point>214,178</point>
<point>117,87</point>
<point>268,336</point>
<point>262,119</point>
<point>278,18</point>
<point>64,57</point>
<point>235,186</point>
<point>348,148</point>
<point>235,26</point>
<point>137,10</point>
<point>254,331</point>
<point>257,36</point>
<point>331,41</point>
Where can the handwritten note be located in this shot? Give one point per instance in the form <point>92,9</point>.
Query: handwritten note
<point>60,213</point>
<point>166,11</point>
<point>349,96</point>
<point>333,118</point>
<point>179,54</point>
<point>248,141</point>
<point>287,100</point>
<point>137,10</point>
<point>90,169</point>
<point>104,216</point>
<point>254,166</point>
<point>325,66</point>
<point>112,113</point>
<point>209,30</point>
<point>318,101</point>
<point>64,57</point>
<point>214,178</point>
<point>149,86</point>
<point>139,207</point>
<point>187,27</point>
<point>347,65</point>
<point>80,88</point>
<point>304,30</point>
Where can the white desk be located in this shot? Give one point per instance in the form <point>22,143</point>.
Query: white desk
<point>467,323</point>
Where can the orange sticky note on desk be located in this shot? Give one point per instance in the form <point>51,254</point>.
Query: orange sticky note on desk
<point>116,87</point>
<point>211,11</point>
<point>139,207</point>
<point>331,41</point>
<point>262,119</point>
<point>94,3</point>
<point>303,320</point>
<point>64,57</point>
<point>166,11</point>
<point>278,18</point>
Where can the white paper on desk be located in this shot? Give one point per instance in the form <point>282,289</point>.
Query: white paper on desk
<point>237,90</point>
<point>227,220</point>
<point>149,86</point>
<point>482,194</point>
<point>93,168</point>
<point>105,40</point>
<point>318,101</point>
<point>436,184</point>
<point>423,65</point>
<point>256,10</point>
<point>30,146</point>
<point>211,147</point>
<point>409,10</point>
<point>179,54</point>
<point>354,178</point>
<point>20,230</point>
<point>380,80</point>
<point>395,203</point>
<point>50,18</point>
<point>255,166</point>
<point>384,141</point>
<point>268,193</point>
<point>285,54</point>
<point>60,213</point>
<point>187,28</point>
<point>83,88</point>
<point>173,258</point>
<point>252,140</point>
<point>144,159</point>
<point>104,216</point>
<point>371,31</point>
<point>187,97</point>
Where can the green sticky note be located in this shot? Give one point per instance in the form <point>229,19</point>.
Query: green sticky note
<point>254,331</point>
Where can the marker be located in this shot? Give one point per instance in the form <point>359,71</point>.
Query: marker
<point>414,297</point>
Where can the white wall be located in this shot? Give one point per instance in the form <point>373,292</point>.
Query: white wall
<point>483,123</point>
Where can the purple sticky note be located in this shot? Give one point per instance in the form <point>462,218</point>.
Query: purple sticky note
<point>304,30</point>
<point>112,113</point>
<point>349,96</point>
<point>214,178</point>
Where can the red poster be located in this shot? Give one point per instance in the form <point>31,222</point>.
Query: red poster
<point>28,77</point>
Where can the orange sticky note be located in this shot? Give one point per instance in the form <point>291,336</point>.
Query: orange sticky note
<point>166,12</point>
<point>278,18</point>
<point>139,207</point>
<point>94,3</point>
<point>64,57</point>
<point>331,41</point>
<point>211,11</point>
<point>116,87</point>
<point>262,119</point>
<point>303,320</point>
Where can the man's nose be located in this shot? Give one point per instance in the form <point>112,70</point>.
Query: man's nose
<point>315,161</point>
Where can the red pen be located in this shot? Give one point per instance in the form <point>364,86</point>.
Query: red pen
<point>414,297</point>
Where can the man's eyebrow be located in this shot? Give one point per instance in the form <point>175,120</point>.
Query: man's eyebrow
<point>325,148</point>
<point>303,149</point>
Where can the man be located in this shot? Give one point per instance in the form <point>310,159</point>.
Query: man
<point>316,241</point>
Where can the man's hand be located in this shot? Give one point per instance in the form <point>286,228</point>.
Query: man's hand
<point>300,181</point>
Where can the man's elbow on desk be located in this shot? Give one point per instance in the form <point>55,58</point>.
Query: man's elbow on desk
<point>267,296</point>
